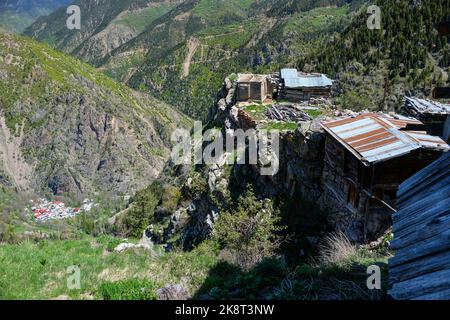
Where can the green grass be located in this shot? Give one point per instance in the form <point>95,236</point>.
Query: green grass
<point>231,36</point>
<point>314,113</point>
<point>256,111</point>
<point>316,20</point>
<point>282,126</point>
<point>217,10</point>
<point>141,19</point>
<point>133,289</point>
<point>274,279</point>
<point>38,271</point>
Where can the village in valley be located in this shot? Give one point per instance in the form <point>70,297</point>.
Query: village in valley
<point>45,211</point>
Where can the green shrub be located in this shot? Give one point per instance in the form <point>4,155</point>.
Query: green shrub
<point>134,221</point>
<point>250,232</point>
<point>133,289</point>
<point>8,234</point>
<point>109,242</point>
<point>199,184</point>
<point>170,198</point>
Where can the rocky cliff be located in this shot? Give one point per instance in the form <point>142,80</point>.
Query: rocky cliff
<point>207,190</point>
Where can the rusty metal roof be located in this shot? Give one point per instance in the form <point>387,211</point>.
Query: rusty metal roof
<point>378,137</point>
<point>428,142</point>
<point>401,122</point>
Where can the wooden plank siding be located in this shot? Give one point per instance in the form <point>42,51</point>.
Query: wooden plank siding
<point>420,267</point>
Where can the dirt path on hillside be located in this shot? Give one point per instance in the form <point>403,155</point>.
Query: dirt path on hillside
<point>10,157</point>
<point>192,45</point>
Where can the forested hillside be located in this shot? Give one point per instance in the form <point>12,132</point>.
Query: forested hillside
<point>183,54</point>
<point>377,67</point>
<point>184,49</point>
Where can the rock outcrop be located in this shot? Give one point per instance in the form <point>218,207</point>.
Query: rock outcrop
<point>299,175</point>
<point>173,292</point>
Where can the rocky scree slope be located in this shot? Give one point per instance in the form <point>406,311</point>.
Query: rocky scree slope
<point>66,128</point>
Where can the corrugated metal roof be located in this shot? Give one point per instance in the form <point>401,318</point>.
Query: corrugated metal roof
<point>427,106</point>
<point>401,122</point>
<point>429,142</point>
<point>375,137</point>
<point>294,79</point>
<point>289,73</point>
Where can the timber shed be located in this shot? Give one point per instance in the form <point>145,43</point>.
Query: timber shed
<point>432,113</point>
<point>254,87</point>
<point>367,157</point>
<point>297,86</point>
<point>420,268</point>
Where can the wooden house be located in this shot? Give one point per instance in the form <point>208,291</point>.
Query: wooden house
<point>432,113</point>
<point>367,157</point>
<point>420,268</point>
<point>254,87</point>
<point>298,86</point>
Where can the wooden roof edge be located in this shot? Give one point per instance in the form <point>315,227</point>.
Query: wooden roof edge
<point>424,173</point>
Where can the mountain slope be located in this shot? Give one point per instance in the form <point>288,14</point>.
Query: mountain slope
<point>66,128</point>
<point>376,68</point>
<point>190,50</point>
<point>16,15</point>
<point>106,24</point>
<point>183,55</point>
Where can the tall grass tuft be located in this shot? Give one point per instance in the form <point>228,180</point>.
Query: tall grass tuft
<point>336,249</point>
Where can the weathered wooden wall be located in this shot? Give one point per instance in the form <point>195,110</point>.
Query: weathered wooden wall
<point>420,268</point>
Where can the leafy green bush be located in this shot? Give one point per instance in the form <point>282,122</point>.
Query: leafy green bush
<point>198,185</point>
<point>109,242</point>
<point>133,289</point>
<point>7,233</point>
